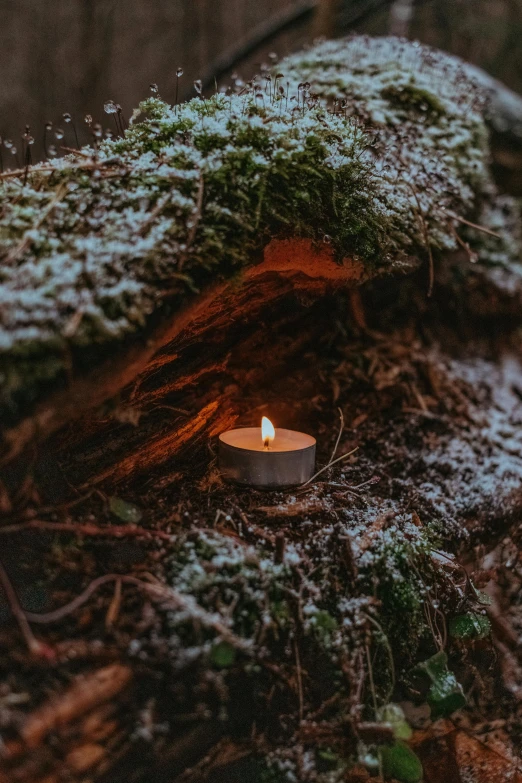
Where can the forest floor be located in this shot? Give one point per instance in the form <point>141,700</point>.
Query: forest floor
<point>432,400</point>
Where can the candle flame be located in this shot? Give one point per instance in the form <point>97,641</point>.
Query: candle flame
<point>267,431</point>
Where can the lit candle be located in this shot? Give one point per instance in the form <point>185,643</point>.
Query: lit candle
<point>266,458</point>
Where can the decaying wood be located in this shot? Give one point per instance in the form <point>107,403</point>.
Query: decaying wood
<point>82,717</point>
<point>85,694</point>
<point>288,266</point>
<point>217,336</point>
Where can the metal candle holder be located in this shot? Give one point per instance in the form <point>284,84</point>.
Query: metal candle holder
<point>248,458</point>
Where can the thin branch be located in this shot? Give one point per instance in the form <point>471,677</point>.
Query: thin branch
<point>86,529</point>
<point>390,655</point>
<point>341,428</point>
<point>32,642</point>
<point>169,597</point>
<point>472,225</point>
<point>370,675</point>
<point>343,456</point>
<point>299,681</point>
<point>78,152</point>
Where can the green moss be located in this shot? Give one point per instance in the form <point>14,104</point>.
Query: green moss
<point>413,98</point>
<point>426,114</point>
<point>218,572</point>
<point>399,561</point>
<point>266,632</point>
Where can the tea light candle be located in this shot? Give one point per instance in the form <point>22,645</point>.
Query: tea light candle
<point>266,458</point>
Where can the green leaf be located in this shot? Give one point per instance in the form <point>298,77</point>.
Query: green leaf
<point>394,716</point>
<point>469,626</point>
<point>401,763</point>
<point>328,755</point>
<point>124,510</point>
<point>436,666</point>
<point>445,695</point>
<point>223,655</point>
<point>483,598</point>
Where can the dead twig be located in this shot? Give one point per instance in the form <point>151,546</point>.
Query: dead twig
<point>341,428</point>
<point>86,529</point>
<point>85,693</point>
<point>114,608</point>
<point>299,681</point>
<point>170,598</point>
<point>73,151</point>
<point>390,656</point>
<point>469,223</point>
<point>343,456</point>
<point>18,613</point>
<point>472,256</point>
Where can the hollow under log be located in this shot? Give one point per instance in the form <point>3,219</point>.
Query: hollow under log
<point>245,331</point>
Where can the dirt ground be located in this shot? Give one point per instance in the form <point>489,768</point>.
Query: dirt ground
<point>430,394</point>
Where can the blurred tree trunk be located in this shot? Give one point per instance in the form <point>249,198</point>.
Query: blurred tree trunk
<point>72,55</point>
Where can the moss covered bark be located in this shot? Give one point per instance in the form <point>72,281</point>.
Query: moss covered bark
<point>372,146</point>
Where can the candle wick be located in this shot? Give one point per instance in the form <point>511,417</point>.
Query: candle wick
<point>267,444</point>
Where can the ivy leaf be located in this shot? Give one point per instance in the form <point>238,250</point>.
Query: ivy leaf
<point>124,510</point>
<point>400,763</point>
<point>469,626</point>
<point>445,695</point>
<point>328,755</point>
<point>436,666</point>
<point>393,715</point>
<point>223,655</point>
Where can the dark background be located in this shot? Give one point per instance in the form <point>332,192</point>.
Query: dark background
<point>72,55</point>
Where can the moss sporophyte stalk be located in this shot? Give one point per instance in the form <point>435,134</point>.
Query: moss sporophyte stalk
<point>370,145</point>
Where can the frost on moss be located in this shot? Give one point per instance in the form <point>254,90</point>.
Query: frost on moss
<point>248,626</point>
<point>425,112</point>
<point>93,244</point>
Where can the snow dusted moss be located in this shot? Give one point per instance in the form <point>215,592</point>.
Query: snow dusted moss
<point>262,603</point>
<point>425,111</point>
<point>92,244</point>
<point>371,145</point>
<point>247,625</point>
